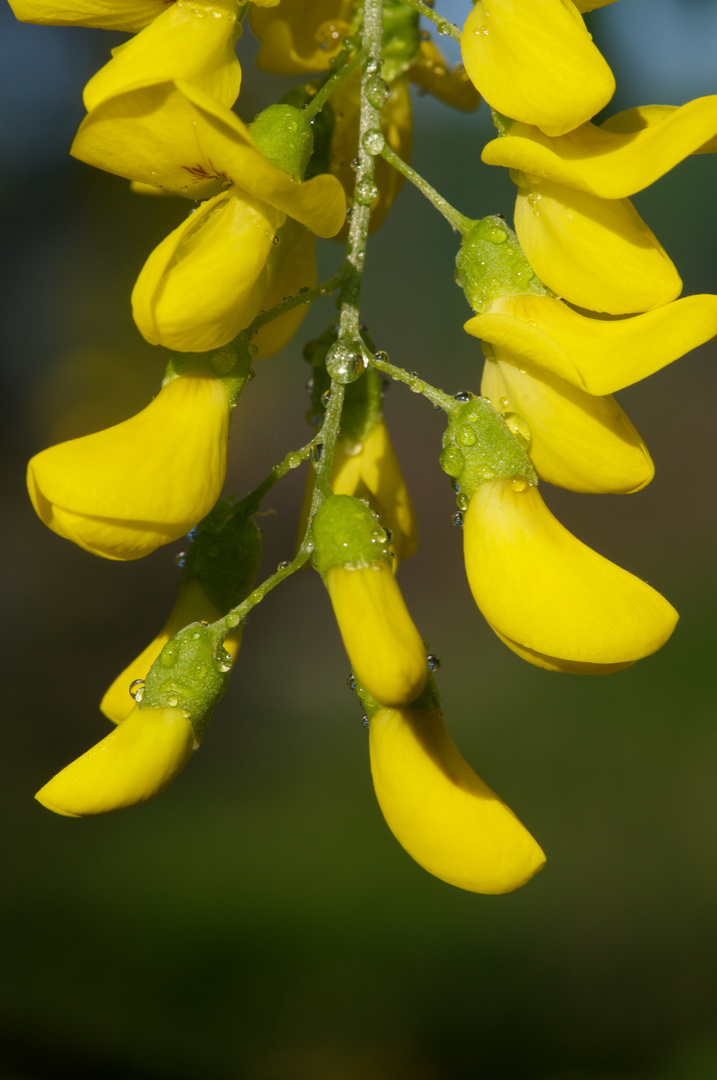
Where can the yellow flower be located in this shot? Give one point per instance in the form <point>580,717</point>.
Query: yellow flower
<point>616,159</point>
<point>598,355</point>
<point>188,40</point>
<point>298,36</point>
<point>431,73</point>
<point>536,62</point>
<point>291,266</point>
<point>174,136</point>
<point>130,765</point>
<point>129,15</point>
<point>548,596</point>
<point>440,811</point>
<point>596,253</point>
<point>371,471</point>
<point>577,440</point>
<point>124,491</point>
<point>193,605</point>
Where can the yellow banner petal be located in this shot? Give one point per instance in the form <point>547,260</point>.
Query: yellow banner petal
<point>129,15</point>
<point>578,441</point>
<point>536,62</point>
<point>605,162</point>
<point>124,491</point>
<point>189,40</point>
<point>596,253</point>
<point>205,281</point>
<point>538,585</point>
<point>440,810</point>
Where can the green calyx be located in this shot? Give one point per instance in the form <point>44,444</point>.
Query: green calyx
<point>428,700</point>
<point>346,533</point>
<point>190,673</point>
<point>322,127</point>
<point>491,264</point>
<point>284,135</point>
<point>479,445</point>
<point>224,554</point>
<point>231,364</point>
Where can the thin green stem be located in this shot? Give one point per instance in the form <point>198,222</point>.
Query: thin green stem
<point>322,95</point>
<point>290,302</point>
<point>419,386</point>
<point>459,222</point>
<point>443,25</point>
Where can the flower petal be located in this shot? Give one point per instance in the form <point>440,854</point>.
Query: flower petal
<point>578,441</point>
<point>129,15</point>
<point>596,253</point>
<point>291,266</point>
<point>205,281</point>
<point>452,87</point>
<point>124,491</point>
<point>189,40</point>
<point>130,765</point>
<point>440,810</point>
<point>542,588</point>
<point>601,161</point>
<point>384,647</point>
<point>597,355</point>
<point>634,120</point>
<point>192,605</point>
<point>297,37</point>
<point>536,62</point>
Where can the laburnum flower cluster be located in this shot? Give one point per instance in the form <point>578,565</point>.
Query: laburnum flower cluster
<point>579,302</point>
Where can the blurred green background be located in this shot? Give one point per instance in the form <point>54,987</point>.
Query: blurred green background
<point>258,920</point>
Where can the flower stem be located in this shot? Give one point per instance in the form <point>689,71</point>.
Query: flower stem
<point>437,397</point>
<point>443,25</point>
<point>290,302</point>
<point>459,222</point>
<point>322,95</point>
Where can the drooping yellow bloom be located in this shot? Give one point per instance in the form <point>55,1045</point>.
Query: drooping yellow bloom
<point>188,40</point>
<point>536,62</point>
<point>124,491</point>
<point>130,765</point>
<point>193,605</point>
<point>300,36</point>
<point>291,266</point>
<point>577,440</point>
<point>610,162</point>
<point>598,355</point>
<point>174,136</point>
<point>548,596</point>
<point>384,647</point>
<point>371,471</point>
<point>440,811</point>
<point>596,253</point>
<point>129,15</point>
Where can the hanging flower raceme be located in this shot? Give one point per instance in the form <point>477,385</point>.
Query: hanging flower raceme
<point>125,491</point>
<point>536,62</point>
<point>384,647</point>
<point>151,746</point>
<point>578,229</point>
<point>217,574</point>
<point>206,281</point>
<point>439,809</point>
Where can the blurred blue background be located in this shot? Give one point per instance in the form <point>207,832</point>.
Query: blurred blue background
<point>258,920</point>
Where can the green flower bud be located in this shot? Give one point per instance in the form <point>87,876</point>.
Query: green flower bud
<point>347,534</point>
<point>491,263</point>
<point>284,135</point>
<point>478,446</point>
<point>224,555</point>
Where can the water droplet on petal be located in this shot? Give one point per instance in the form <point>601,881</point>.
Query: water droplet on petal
<point>136,690</point>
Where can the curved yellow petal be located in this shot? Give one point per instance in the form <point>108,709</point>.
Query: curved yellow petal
<point>291,266</point>
<point>129,15</point>
<point>432,73</point>
<point>591,5</point>
<point>133,763</point>
<point>192,605</point>
<point>597,355</point>
<point>174,135</point>
<point>205,281</point>
<point>556,663</point>
<point>596,253</point>
<point>578,441</point>
<point>384,647</point>
<point>604,162</point>
<point>296,37</point>
<point>642,116</point>
<point>440,810</point>
<point>189,40</point>
<point>542,588</point>
<point>536,62</point>
<point>382,478</point>
<point>124,491</point>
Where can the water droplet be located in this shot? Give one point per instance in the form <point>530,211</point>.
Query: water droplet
<point>434,662</point>
<point>365,192</point>
<point>293,460</point>
<point>172,702</point>
<point>452,461</point>
<point>466,436</point>
<point>316,451</point>
<point>136,690</point>
<point>325,398</point>
<point>365,722</point>
<point>345,361</point>
<point>462,500</point>
<point>518,483</point>
<point>519,427</point>
<point>373,142</point>
<point>443,28</point>
<point>377,91</point>
<point>284,564</point>
<point>355,164</point>
<point>458,518</point>
<point>372,66</point>
<point>381,356</point>
<point>456,486</point>
<point>463,395</point>
<point>180,558</point>
<point>277,239</point>
<point>496,235</point>
<point>351,682</point>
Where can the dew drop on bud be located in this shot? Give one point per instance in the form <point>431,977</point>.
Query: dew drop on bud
<point>463,395</point>
<point>458,518</point>
<point>434,662</point>
<point>351,681</point>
